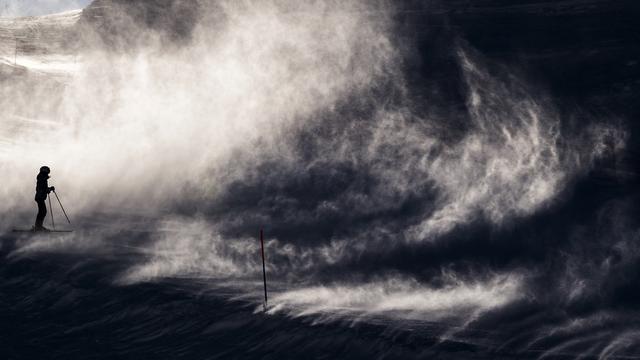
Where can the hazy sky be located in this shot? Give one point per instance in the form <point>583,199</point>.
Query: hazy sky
<point>9,8</point>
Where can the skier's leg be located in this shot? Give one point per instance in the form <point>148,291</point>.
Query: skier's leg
<point>42,213</point>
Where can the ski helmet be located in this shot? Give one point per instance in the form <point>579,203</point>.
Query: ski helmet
<point>45,169</point>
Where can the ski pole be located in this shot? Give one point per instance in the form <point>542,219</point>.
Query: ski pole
<point>53,225</point>
<point>62,207</point>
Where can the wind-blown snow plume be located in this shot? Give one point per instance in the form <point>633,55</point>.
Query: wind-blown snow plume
<point>293,115</point>
<point>509,164</point>
<point>457,301</point>
<point>139,125</point>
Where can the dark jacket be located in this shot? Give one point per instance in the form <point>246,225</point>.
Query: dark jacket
<point>42,187</point>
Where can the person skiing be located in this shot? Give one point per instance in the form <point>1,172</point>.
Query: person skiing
<point>42,190</point>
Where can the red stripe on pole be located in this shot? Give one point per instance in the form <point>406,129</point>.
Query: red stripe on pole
<point>264,270</point>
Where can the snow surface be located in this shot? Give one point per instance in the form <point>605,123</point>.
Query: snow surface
<point>37,43</point>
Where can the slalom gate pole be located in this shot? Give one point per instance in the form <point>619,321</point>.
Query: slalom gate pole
<point>53,225</point>
<point>61,207</point>
<point>264,271</point>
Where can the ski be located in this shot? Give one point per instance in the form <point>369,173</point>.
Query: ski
<point>40,232</point>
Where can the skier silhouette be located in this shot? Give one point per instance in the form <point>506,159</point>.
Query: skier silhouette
<point>42,190</point>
